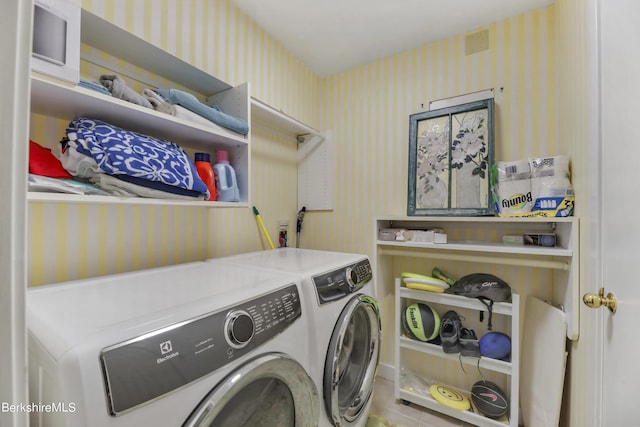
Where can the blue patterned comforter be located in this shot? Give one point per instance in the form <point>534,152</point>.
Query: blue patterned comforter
<point>120,152</point>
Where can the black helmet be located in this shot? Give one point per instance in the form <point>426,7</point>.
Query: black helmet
<point>486,287</point>
<point>482,285</point>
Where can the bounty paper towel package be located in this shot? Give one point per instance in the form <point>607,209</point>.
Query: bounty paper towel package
<point>514,193</point>
<point>533,187</point>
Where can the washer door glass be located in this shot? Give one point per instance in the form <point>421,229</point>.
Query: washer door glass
<point>272,390</point>
<point>351,361</point>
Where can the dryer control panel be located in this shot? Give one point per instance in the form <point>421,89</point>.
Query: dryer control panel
<point>146,367</point>
<point>339,283</point>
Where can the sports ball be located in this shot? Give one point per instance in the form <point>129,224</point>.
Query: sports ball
<point>421,322</point>
<point>495,345</point>
<point>489,399</point>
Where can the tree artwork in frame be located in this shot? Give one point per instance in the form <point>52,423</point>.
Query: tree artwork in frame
<point>450,156</point>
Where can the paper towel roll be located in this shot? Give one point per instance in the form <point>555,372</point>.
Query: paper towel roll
<point>536,186</point>
<point>550,176</point>
<point>514,189</point>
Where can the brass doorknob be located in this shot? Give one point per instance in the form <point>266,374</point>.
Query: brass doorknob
<point>595,301</point>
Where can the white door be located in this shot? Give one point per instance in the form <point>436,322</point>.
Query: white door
<point>620,209</point>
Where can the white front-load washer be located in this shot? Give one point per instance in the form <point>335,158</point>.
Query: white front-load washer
<point>189,345</point>
<point>339,292</point>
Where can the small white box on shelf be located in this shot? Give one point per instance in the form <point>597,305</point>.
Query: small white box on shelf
<point>435,235</point>
<point>56,39</point>
<point>426,236</point>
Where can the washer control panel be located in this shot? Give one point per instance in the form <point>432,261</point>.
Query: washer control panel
<point>339,283</point>
<point>146,367</point>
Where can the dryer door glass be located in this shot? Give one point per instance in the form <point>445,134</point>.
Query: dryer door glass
<point>351,361</point>
<point>271,390</point>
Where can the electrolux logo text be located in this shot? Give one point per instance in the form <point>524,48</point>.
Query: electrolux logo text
<point>166,347</point>
<point>52,407</point>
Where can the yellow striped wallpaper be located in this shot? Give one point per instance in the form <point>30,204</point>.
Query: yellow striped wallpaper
<point>368,110</point>
<point>76,241</point>
<point>576,110</point>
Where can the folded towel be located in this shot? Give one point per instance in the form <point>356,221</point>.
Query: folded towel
<point>58,185</point>
<point>212,113</point>
<point>159,103</point>
<point>164,106</point>
<point>119,89</point>
<point>77,164</point>
<point>117,187</point>
<point>120,152</point>
<point>94,86</point>
<point>43,162</point>
<point>157,185</point>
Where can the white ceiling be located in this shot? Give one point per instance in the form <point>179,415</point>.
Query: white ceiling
<point>331,36</point>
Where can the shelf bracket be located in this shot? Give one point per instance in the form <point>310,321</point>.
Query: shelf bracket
<point>307,136</point>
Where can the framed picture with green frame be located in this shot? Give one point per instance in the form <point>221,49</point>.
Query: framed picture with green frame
<point>451,151</point>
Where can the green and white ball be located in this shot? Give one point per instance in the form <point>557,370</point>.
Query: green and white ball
<point>421,322</point>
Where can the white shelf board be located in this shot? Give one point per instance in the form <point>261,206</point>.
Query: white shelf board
<point>118,42</point>
<point>479,219</point>
<point>271,117</point>
<point>114,200</point>
<point>472,246</point>
<point>466,416</point>
<point>454,300</point>
<point>65,101</point>
<point>436,350</point>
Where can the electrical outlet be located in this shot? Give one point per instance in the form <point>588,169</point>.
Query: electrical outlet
<point>283,231</point>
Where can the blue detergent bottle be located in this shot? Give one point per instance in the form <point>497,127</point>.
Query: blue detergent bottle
<point>225,175</point>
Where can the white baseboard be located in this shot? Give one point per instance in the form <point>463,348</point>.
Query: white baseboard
<point>386,371</point>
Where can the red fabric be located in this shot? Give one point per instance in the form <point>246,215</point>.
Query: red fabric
<point>43,162</point>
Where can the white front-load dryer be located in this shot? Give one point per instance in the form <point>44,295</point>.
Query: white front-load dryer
<point>188,345</point>
<point>339,292</point>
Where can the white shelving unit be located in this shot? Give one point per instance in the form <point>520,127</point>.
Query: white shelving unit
<point>511,369</point>
<point>485,247</point>
<point>54,98</point>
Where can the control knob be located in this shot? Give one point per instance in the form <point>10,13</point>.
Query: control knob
<point>352,277</point>
<point>239,328</point>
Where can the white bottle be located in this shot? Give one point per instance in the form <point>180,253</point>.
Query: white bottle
<point>226,183</point>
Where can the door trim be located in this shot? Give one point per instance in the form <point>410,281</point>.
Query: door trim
<point>594,327</point>
<point>15,46</point>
